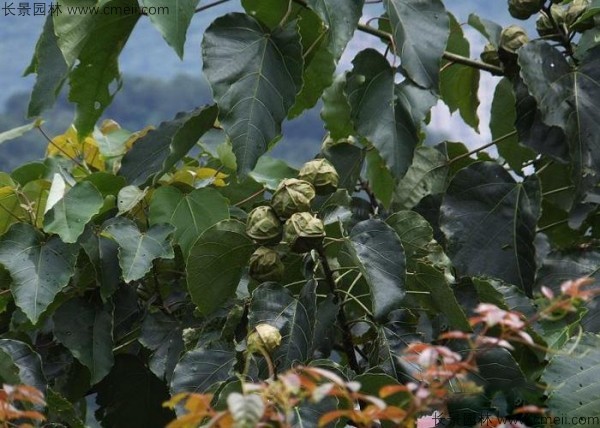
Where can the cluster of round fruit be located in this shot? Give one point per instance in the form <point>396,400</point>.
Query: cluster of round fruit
<point>561,15</point>
<point>288,219</point>
<point>552,23</point>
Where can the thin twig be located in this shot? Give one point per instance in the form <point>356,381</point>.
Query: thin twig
<point>53,144</point>
<point>485,146</point>
<point>208,6</point>
<point>249,198</point>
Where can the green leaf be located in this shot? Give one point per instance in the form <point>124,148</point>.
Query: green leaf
<point>98,68</point>
<point>459,83</point>
<point>411,20</point>
<point>490,30</point>
<point>27,363</point>
<point>216,264</point>
<point>533,132</point>
<point>173,25</point>
<point>51,69</point>
<point>505,296</point>
<point>29,172</point>
<point>138,250</point>
<point>392,338</point>
<point>502,123</point>
<point>129,197</point>
<point>380,179</point>
<point>336,111</point>
<point>427,175</point>
<point>39,267</point>
<point>104,255</point>
<point>19,131</point>
<point>86,330</point>
<point>293,317</point>
<point>489,221</point>
<point>156,152</point>
<point>413,230</point>
<point>318,75</point>
<point>568,98</point>
<point>73,30</point>
<point>202,370</point>
<point>191,214</point>
<point>68,217</point>
<point>572,390</point>
<point>377,251</point>
<point>270,171</point>
<point>162,334</point>
<point>383,112</point>
<point>61,409</point>
<point>254,96</point>
<point>440,298</point>
<point>131,396</point>
<point>11,210</point>
<point>589,40</point>
<point>561,266</point>
<point>347,160</point>
<point>341,18</point>
<point>499,371</point>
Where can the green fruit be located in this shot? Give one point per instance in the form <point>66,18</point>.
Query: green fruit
<point>575,10</point>
<point>263,225</point>
<point>265,265</point>
<point>523,9</point>
<point>321,174</point>
<point>292,196</point>
<point>303,232</point>
<point>265,337</point>
<point>544,27</point>
<point>490,55</point>
<point>512,38</point>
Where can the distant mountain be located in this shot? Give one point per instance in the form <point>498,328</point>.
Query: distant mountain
<point>157,84</point>
<point>143,101</point>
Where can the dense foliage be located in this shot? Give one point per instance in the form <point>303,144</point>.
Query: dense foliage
<point>381,282</point>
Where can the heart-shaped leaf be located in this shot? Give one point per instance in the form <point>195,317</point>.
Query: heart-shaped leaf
<point>489,221</point>
<point>255,95</point>
<point>139,249</point>
<point>39,267</point>
<point>216,264</point>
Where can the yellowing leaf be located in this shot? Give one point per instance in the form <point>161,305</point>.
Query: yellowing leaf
<point>209,173</point>
<point>189,175</point>
<point>10,208</point>
<point>137,135</point>
<point>70,146</point>
<point>108,125</point>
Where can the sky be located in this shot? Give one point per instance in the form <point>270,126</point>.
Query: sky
<point>147,54</point>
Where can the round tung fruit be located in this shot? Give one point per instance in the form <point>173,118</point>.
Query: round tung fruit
<point>292,196</point>
<point>265,265</point>
<point>544,26</point>
<point>512,38</point>
<point>264,337</point>
<point>263,225</point>
<point>523,9</point>
<point>303,232</point>
<point>321,174</point>
<point>575,10</point>
<point>490,55</point>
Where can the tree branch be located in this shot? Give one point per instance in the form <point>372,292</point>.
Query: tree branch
<point>208,6</point>
<point>458,59</point>
<point>485,146</point>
